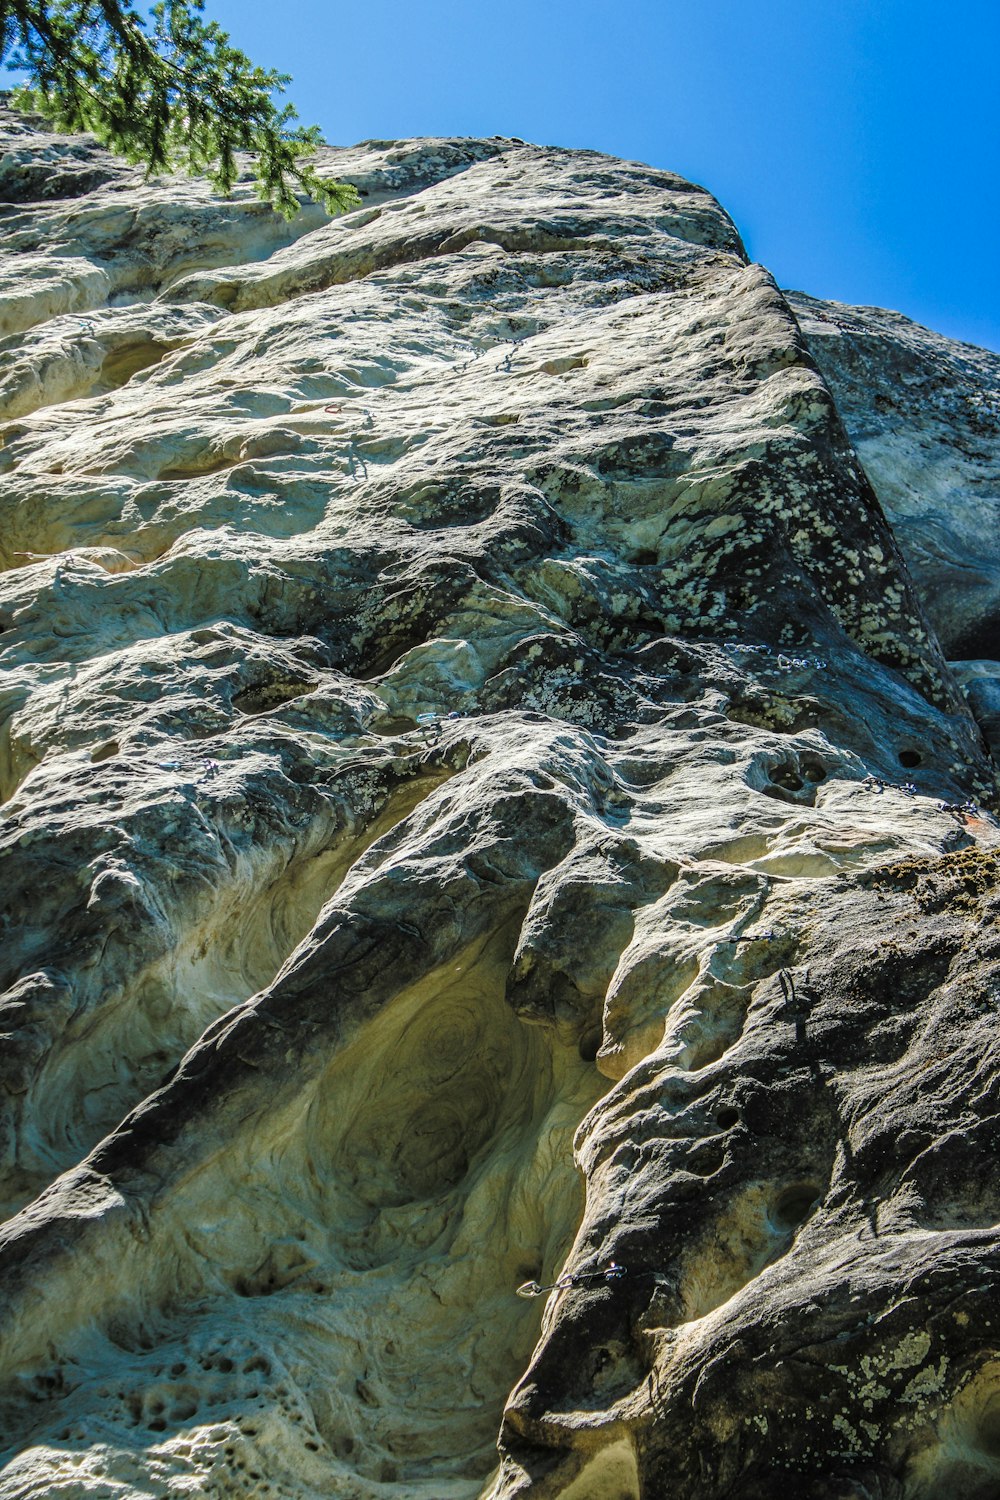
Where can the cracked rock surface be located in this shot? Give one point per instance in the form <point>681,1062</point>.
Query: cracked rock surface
<point>495,790</point>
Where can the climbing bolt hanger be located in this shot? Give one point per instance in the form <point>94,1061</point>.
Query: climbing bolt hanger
<point>611,1272</point>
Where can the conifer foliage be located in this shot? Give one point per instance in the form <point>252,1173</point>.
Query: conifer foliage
<point>167,90</point>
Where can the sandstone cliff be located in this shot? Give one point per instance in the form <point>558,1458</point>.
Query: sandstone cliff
<point>485,803</point>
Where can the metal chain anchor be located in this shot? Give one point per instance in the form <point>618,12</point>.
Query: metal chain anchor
<point>611,1272</point>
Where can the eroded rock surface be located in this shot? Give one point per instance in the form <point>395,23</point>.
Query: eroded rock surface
<point>923,414</point>
<point>461,697</point>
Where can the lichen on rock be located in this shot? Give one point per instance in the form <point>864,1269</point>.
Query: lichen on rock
<point>484,803</point>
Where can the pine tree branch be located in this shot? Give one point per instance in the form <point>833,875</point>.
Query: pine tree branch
<point>179,96</point>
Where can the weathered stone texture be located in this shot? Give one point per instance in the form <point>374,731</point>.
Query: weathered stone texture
<point>483,799</point>
<point>923,414</point>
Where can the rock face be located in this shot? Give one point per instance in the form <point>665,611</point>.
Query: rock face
<point>923,414</point>
<point>484,803</point>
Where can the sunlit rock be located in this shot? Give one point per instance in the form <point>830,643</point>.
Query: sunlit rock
<point>484,806</point>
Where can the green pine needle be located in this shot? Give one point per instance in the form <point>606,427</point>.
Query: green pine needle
<point>169,92</point>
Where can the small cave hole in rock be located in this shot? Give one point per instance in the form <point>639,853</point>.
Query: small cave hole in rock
<point>121,364</point>
<point>793,1205</point>
<point>727,1117</point>
<point>786,777</point>
<point>104,752</point>
<point>590,1043</point>
<point>813,770</point>
<point>908,759</point>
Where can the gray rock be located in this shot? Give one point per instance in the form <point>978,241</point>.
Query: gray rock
<point>923,413</point>
<point>462,694</point>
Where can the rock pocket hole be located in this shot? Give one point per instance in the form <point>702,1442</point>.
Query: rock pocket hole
<point>793,1205</point>
<point>563,363</point>
<point>707,1051</point>
<point>382,661</point>
<point>394,724</point>
<point>908,759</point>
<point>813,770</point>
<point>104,752</point>
<point>120,365</point>
<point>430,506</point>
<point>706,1162</point>
<point>727,1117</point>
<point>590,1043</point>
<point>988,1428</point>
<point>268,696</point>
<point>786,777</point>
